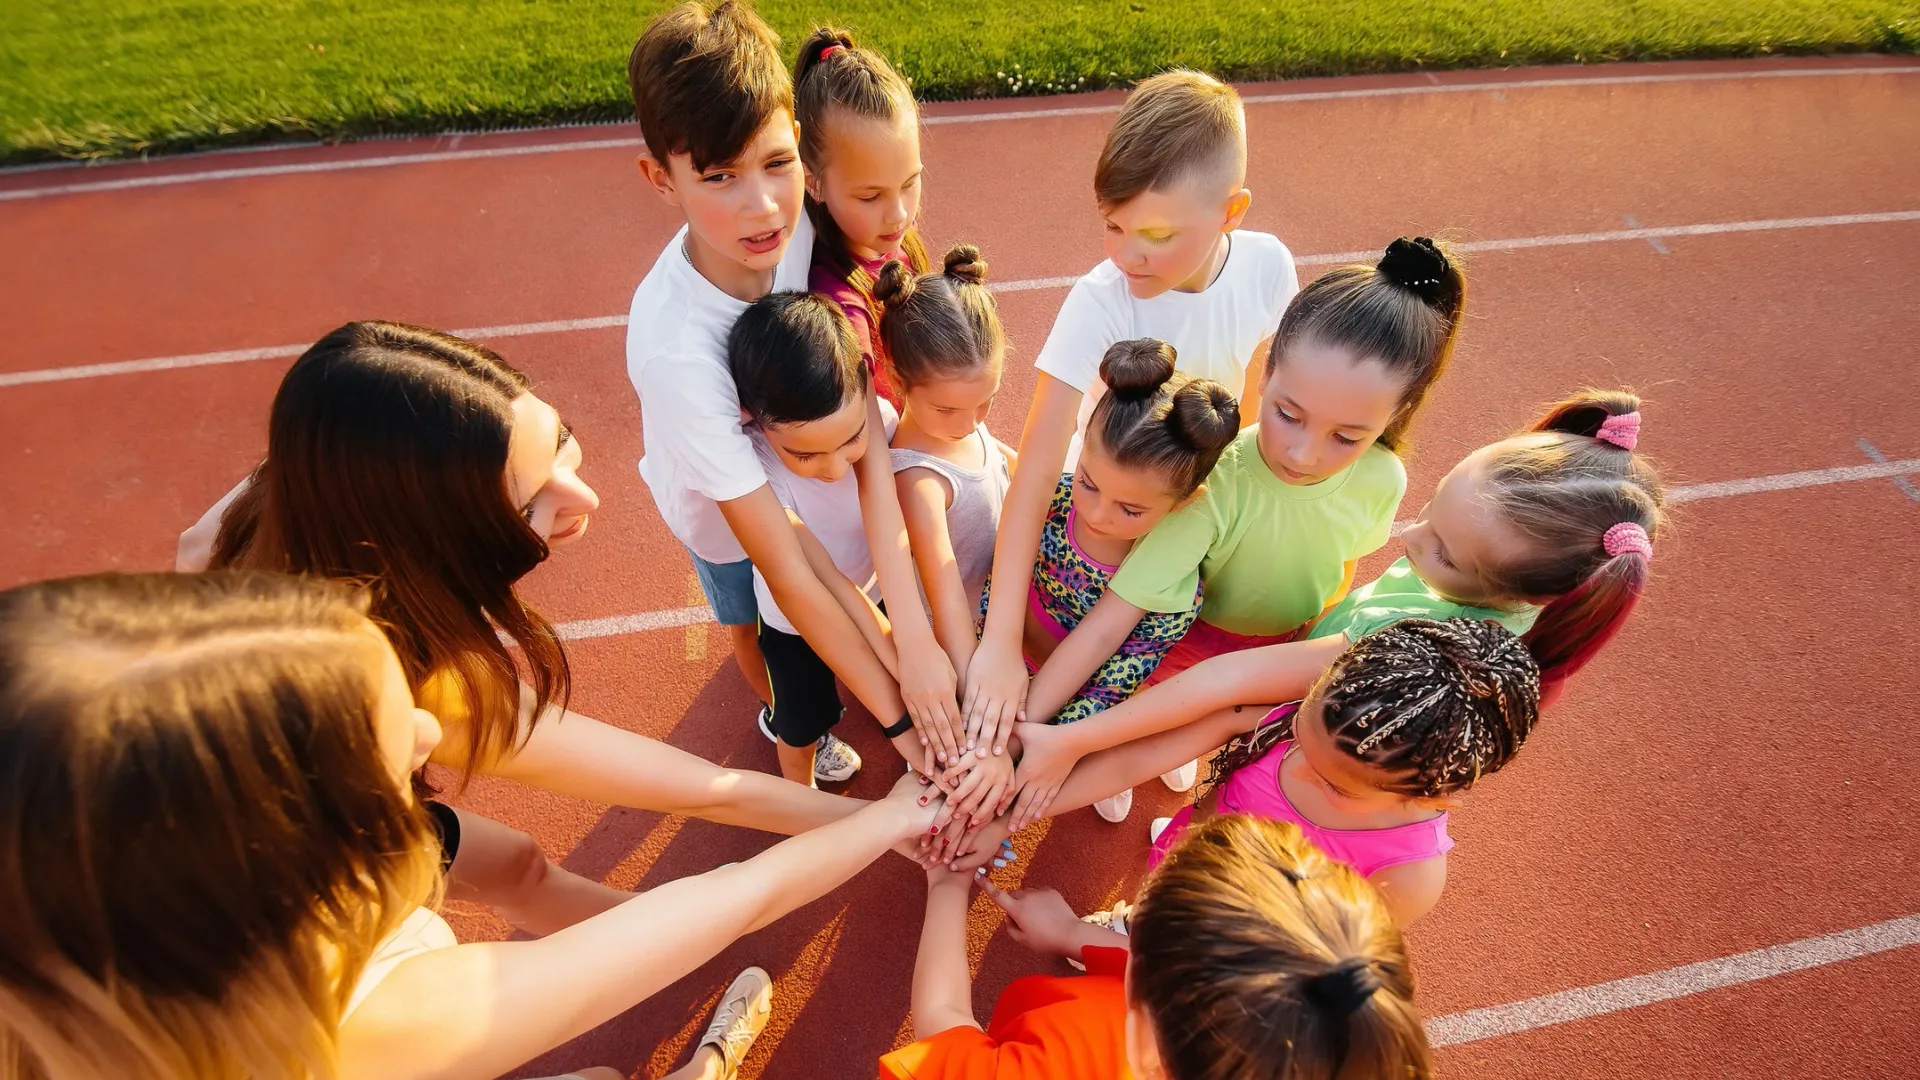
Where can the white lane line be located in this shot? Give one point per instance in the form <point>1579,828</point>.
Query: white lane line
<point>601,322</point>
<point>389,160</point>
<point>1684,981</point>
<point>1899,480</point>
<point>687,616</point>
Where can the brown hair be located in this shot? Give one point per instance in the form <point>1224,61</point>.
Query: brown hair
<point>1257,956</point>
<point>200,843</point>
<point>1175,127</point>
<point>861,83</point>
<point>1563,492</point>
<point>1433,705</point>
<point>1153,417</point>
<point>1402,313</point>
<point>704,83</point>
<point>386,462</point>
<point>939,326</point>
<point>794,359</point>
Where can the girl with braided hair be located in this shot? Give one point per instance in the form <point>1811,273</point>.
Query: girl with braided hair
<point>1367,765</point>
<point>1549,533</point>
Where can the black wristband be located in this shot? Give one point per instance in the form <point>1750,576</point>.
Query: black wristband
<point>898,728</point>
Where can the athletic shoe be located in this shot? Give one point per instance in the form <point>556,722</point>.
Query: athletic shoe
<point>1182,778</point>
<point>765,720</point>
<point>1116,807</point>
<point>1156,827</point>
<point>1114,919</point>
<point>833,760</point>
<point>740,1017</point>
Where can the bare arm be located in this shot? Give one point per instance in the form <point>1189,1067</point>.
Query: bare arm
<point>1090,644</point>
<point>923,500</point>
<point>482,1009</point>
<point>927,686</point>
<point>195,549</point>
<point>1254,384</point>
<point>873,624</point>
<point>1114,770</point>
<point>942,984</point>
<point>997,679</point>
<point>1411,889</point>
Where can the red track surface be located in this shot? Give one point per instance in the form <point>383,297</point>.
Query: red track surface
<point>1737,772</point>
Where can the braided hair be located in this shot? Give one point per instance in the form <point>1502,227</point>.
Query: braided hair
<point>1433,705</point>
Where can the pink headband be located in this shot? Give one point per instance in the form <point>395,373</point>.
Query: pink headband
<point>1627,536</point>
<point>1622,431</point>
<point>830,50</point>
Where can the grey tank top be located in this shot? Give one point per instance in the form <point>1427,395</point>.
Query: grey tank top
<point>973,517</point>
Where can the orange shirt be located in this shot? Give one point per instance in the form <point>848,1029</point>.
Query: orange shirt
<point>1043,1028</point>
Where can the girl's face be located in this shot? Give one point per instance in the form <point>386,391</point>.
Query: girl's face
<point>1118,503</point>
<point>1320,409</point>
<point>870,181</point>
<point>543,462</point>
<point>952,408</point>
<point>1163,240</point>
<point>825,449</point>
<point>1346,782</point>
<point>406,734</point>
<point>1459,535</point>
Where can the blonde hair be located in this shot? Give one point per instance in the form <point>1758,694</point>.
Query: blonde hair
<point>200,842</point>
<point>1256,955</point>
<point>1176,127</point>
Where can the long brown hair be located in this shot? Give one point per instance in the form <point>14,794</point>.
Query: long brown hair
<point>1403,313</point>
<point>1257,956</point>
<point>386,463</point>
<point>858,82</point>
<point>200,843</point>
<point>1433,705</point>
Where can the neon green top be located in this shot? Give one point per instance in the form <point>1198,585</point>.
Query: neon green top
<point>1271,554</point>
<point>1399,593</point>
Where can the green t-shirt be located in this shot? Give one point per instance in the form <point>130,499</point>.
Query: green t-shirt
<point>1400,594</point>
<point>1271,553</point>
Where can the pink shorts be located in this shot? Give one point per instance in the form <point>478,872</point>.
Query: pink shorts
<point>1204,641</point>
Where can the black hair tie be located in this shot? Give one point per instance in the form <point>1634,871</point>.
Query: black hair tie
<point>1418,264</point>
<point>1344,987</point>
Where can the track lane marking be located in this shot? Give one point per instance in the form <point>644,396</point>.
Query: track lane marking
<point>604,322</point>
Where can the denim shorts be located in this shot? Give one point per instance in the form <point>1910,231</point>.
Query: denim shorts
<point>729,590</point>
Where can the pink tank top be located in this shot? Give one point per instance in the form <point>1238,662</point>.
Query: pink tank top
<point>1255,789</point>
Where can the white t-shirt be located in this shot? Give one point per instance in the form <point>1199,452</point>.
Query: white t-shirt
<point>421,932</point>
<point>1213,332</point>
<point>694,453</point>
<point>831,512</point>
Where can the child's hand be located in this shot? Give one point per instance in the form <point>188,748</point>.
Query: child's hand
<point>1039,919</point>
<point>1045,762</point>
<point>996,692</point>
<point>923,804</point>
<point>977,796</point>
<point>932,698</point>
<point>974,849</point>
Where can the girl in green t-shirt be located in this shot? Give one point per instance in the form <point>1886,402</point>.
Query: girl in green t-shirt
<point>1549,533</point>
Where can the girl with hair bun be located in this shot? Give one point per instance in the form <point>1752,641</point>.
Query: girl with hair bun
<point>860,143</point>
<point>1150,445</point>
<point>1251,954</point>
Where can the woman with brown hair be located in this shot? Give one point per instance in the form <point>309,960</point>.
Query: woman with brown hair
<point>425,464</point>
<point>1251,954</point>
<point>213,867</point>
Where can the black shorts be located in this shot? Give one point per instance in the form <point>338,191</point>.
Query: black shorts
<point>806,700</point>
<point>446,825</point>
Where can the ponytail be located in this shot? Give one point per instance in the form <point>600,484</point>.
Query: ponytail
<point>942,325</point>
<point>834,75</point>
<point>1403,313</point>
<point>1591,507</point>
<point>1154,418</point>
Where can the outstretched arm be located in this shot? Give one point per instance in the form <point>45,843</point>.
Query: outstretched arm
<point>923,499</point>
<point>942,985</point>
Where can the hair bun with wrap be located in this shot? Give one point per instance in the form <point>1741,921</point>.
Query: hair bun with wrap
<point>1135,369</point>
<point>1204,415</point>
<point>1417,263</point>
<point>894,283</point>
<point>964,265</point>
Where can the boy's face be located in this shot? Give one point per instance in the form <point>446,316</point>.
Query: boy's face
<point>1164,240</point>
<point>826,449</point>
<point>744,210</point>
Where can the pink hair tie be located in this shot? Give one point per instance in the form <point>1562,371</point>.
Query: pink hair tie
<point>1627,536</point>
<point>1622,431</point>
<point>830,50</point>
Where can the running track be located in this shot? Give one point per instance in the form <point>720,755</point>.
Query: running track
<point>1737,776</point>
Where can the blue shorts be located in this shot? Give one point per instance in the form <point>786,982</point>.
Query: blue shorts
<point>729,590</point>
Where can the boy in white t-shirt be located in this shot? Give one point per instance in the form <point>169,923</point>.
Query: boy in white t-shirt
<point>716,109</point>
<point>1171,187</point>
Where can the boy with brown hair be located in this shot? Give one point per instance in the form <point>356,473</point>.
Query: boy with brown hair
<point>715,106</point>
<point>1171,185</point>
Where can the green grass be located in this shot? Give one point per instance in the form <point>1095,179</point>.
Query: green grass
<point>96,78</point>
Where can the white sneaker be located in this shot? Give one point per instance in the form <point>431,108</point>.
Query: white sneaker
<point>833,760</point>
<point>1182,778</point>
<point>765,720</point>
<point>1156,827</point>
<point>1114,919</point>
<point>1115,808</point>
<point>739,1018</point>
